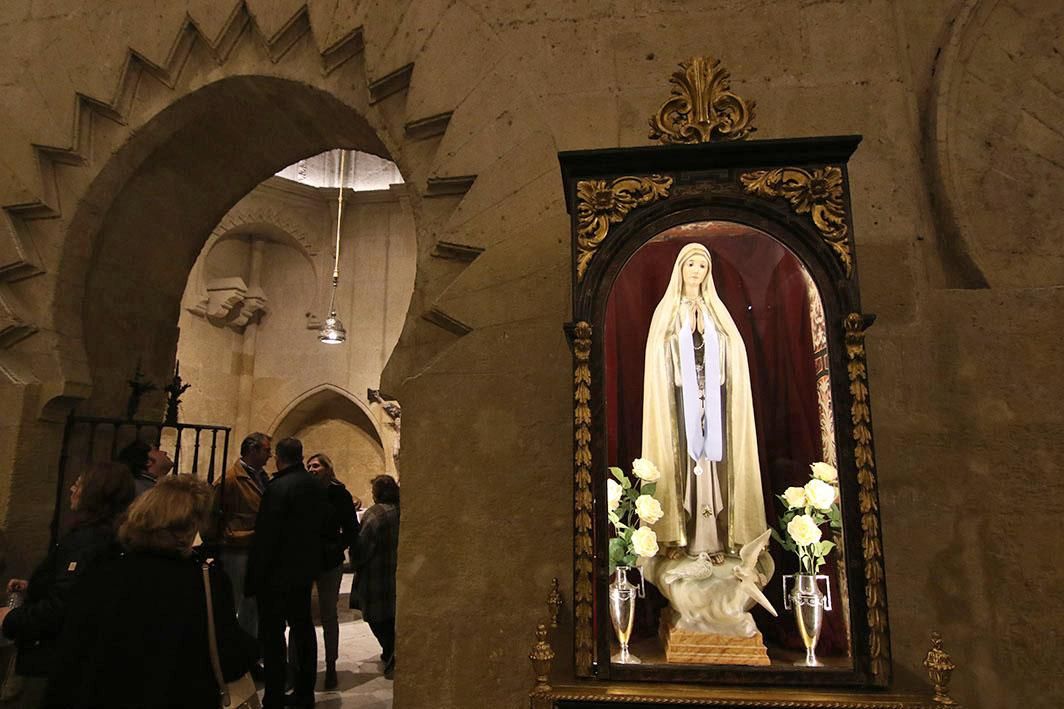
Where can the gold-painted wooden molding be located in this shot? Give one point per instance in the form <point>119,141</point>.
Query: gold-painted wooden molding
<point>600,203</point>
<point>818,193</point>
<point>868,496</point>
<point>582,551</point>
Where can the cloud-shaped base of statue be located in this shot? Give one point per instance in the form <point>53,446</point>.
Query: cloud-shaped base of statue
<point>709,620</point>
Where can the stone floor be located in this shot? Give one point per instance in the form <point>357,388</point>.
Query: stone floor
<point>362,682</point>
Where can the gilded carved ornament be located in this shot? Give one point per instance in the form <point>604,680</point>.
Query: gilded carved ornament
<point>939,667</point>
<point>600,203</point>
<point>582,550</point>
<point>868,501</point>
<point>701,107</point>
<point>817,193</point>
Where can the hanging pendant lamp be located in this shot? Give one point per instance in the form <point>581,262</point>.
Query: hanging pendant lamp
<point>332,331</point>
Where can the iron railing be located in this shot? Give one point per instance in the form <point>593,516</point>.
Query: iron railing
<point>82,446</point>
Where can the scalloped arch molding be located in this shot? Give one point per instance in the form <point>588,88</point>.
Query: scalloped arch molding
<point>43,259</point>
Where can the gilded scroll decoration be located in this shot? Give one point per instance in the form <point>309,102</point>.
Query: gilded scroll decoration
<point>701,107</point>
<point>582,552</point>
<point>600,203</point>
<point>868,499</point>
<point>818,193</point>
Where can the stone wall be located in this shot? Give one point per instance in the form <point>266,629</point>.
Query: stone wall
<point>954,193</point>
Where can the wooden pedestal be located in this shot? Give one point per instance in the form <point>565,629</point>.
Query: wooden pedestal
<point>684,646</point>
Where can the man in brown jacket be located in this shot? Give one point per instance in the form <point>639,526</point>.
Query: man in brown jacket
<point>239,495</point>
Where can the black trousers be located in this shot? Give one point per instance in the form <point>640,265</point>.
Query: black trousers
<point>384,631</point>
<point>278,608</point>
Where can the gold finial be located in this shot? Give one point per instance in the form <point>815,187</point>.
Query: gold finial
<point>554,603</point>
<point>939,668</point>
<point>701,107</point>
<point>541,656</point>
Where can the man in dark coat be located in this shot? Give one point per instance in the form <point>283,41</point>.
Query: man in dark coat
<point>374,558</point>
<point>286,556</point>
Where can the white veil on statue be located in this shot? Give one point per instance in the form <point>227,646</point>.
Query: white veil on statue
<point>739,470</point>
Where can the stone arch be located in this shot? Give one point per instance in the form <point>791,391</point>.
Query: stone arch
<point>155,103</point>
<point>263,222</point>
<point>336,422</point>
<point>299,409</point>
<point>996,161</point>
<point>123,200</point>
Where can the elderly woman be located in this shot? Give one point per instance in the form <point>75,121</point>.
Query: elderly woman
<point>374,559</point>
<point>97,499</point>
<point>136,635</point>
<point>340,533</point>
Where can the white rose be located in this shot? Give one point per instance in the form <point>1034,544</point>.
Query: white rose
<point>648,509</point>
<point>645,542</point>
<point>803,530</point>
<point>820,494</point>
<point>613,494</point>
<point>645,470</point>
<point>795,497</point>
<point>825,472</point>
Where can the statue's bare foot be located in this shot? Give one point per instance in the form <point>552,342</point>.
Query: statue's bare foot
<point>717,558</point>
<point>674,553</point>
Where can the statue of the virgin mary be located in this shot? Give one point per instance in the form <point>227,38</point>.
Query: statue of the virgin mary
<point>698,418</point>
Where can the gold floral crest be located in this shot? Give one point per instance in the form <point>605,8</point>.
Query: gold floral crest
<point>600,203</point>
<point>701,107</point>
<point>817,193</point>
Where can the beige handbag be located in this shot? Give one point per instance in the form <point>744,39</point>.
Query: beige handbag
<point>240,693</point>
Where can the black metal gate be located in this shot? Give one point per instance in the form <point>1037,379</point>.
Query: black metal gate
<point>196,448</point>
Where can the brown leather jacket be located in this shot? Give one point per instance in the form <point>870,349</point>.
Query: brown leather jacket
<point>239,505</point>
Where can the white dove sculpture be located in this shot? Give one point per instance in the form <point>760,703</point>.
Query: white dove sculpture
<point>715,598</point>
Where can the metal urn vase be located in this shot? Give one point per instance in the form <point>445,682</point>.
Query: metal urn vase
<point>622,613</point>
<point>809,604</point>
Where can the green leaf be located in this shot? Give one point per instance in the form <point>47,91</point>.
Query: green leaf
<point>825,547</point>
<point>650,488</point>
<point>617,550</point>
<point>619,474</point>
<point>835,516</point>
<point>629,560</point>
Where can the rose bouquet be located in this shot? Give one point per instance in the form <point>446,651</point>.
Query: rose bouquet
<point>806,510</point>
<point>629,504</point>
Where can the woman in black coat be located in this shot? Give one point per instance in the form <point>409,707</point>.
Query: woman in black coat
<point>97,499</point>
<point>136,636</point>
<point>340,533</point>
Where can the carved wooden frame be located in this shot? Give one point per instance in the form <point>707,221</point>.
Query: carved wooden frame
<point>795,190</point>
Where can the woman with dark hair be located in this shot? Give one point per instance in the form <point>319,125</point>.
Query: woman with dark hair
<point>98,498</point>
<point>340,533</point>
<point>136,635</point>
<point>374,559</point>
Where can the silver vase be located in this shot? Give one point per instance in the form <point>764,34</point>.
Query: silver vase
<point>622,613</point>
<point>809,604</point>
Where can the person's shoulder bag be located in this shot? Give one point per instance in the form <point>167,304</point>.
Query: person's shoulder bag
<point>240,693</point>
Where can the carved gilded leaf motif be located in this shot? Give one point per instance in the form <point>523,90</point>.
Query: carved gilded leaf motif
<point>701,107</point>
<point>817,193</point>
<point>860,413</point>
<point>600,203</point>
<point>583,506</point>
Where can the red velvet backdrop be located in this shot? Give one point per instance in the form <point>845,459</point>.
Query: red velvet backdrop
<point>762,285</point>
